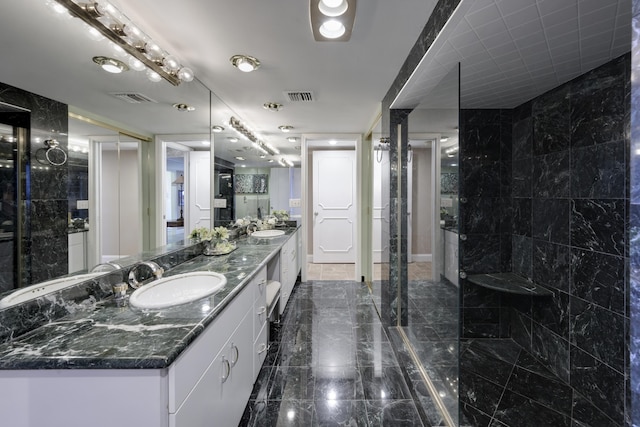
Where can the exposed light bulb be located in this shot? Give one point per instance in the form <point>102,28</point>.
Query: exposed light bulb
<point>153,76</point>
<point>333,7</point>
<point>136,64</point>
<point>185,74</point>
<point>171,63</point>
<point>245,66</point>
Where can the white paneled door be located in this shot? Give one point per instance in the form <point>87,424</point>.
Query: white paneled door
<point>334,206</point>
<point>198,193</point>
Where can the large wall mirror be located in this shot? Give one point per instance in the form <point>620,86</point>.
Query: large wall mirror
<point>128,184</point>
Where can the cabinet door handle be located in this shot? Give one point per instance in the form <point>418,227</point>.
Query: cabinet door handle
<point>262,311</point>
<point>227,369</point>
<point>237,354</point>
<point>262,282</point>
<point>263,348</point>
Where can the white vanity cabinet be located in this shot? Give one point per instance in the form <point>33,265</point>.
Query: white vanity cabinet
<point>289,268</point>
<point>211,382</point>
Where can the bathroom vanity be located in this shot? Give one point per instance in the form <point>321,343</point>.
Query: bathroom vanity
<point>108,364</point>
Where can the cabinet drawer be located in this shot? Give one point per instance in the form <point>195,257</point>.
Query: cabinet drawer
<point>259,285</point>
<point>261,348</point>
<point>260,314</point>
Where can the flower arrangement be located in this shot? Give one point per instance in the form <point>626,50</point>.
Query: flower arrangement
<point>204,233</point>
<point>201,233</point>
<point>281,215</point>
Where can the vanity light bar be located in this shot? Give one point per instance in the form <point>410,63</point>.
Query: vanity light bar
<point>264,147</point>
<point>114,25</point>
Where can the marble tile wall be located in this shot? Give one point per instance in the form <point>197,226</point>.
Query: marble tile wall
<point>568,213</point>
<point>633,301</point>
<point>486,217</point>
<point>45,245</point>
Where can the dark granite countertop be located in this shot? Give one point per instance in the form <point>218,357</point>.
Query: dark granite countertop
<point>102,335</point>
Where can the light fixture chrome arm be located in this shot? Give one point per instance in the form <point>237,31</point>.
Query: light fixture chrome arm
<point>139,47</point>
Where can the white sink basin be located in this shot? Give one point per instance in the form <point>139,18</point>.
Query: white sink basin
<point>44,288</point>
<point>178,289</point>
<point>267,233</point>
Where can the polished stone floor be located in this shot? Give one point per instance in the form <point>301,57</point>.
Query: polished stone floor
<point>332,364</point>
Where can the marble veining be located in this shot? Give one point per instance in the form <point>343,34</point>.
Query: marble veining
<point>98,333</point>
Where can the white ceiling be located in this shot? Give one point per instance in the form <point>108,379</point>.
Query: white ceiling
<point>511,50</point>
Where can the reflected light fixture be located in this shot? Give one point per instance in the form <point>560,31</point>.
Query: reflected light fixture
<point>285,128</point>
<point>261,146</point>
<point>110,65</point>
<point>332,20</point>
<point>217,128</point>
<point>232,139</point>
<point>183,107</point>
<point>292,139</point>
<point>103,17</point>
<point>245,63</point>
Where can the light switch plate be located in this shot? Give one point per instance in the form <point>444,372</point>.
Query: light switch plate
<point>220,203</point>
<point>82,204</point>
<point>294,203</point>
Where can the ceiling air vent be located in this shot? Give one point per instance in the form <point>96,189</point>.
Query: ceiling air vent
<point>299,96</point>
<point>133,97</point>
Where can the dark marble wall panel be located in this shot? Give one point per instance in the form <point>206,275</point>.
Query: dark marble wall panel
<point>633,293</point>
<point>47,190</point>
<point>569,196</point>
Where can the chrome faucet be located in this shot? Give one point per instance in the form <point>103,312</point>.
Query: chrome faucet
<point>156,272</point>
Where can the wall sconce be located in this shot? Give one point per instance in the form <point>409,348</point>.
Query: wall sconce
<point>264,147</point>
<point>383,145</point>
<point>332,20</point>
<point>115,26</point>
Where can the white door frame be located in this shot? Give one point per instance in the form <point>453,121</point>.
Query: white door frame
<point>94,236</point>
<point>162,142</point>
<point>308,143</point>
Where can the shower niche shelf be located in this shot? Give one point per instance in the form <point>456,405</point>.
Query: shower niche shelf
<point>510,283</point>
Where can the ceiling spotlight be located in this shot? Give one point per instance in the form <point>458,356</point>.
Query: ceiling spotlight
<point>292,139</point>
<point>183,107</point>
<point>444,139</point>
<point>217,128</point>
<point>110,65</point>
<point>285,128</point>
<point>333,7</point>
<point>232,139</point>
<point>332,29</point>
<point>272,106</point>
<point>245,63</point>
<point>333,142</point>
<point>239,158</point>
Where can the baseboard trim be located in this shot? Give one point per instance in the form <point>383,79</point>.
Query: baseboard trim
<point>421,257</point>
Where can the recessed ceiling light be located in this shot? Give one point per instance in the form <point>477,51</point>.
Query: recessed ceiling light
<point>285,128</point>
<point>333,142</point>
<point>292,139</point>
<point>183,107</point>
<point>272,106</point>
<point>217,128</point>
<point>262,156</point>
<point>245,63</point>
<point>233,139</point>
<point>444,139</point>
<point>239,158</point>
<point>270,160</point>
<point>206,143</point>
<point>110,65</point>
<point>333,7</point>
<point>332,29</point>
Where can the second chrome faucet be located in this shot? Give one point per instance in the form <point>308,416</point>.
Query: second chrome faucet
<point>154,271</point>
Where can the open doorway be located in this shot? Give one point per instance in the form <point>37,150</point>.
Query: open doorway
<point>331,229</point>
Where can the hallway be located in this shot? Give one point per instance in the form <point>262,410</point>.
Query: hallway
<point>334,365</point>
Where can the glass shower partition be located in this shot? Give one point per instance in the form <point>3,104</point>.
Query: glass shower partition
<point>430,325</point>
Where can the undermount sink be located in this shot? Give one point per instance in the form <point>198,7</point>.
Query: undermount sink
<point>44,288</point>
<point>267,233</point>
<point>178,289</point>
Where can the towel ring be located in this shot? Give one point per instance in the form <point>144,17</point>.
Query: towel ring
<point>54,145</point>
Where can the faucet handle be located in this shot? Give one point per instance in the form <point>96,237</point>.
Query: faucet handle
<point>155,269</point>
